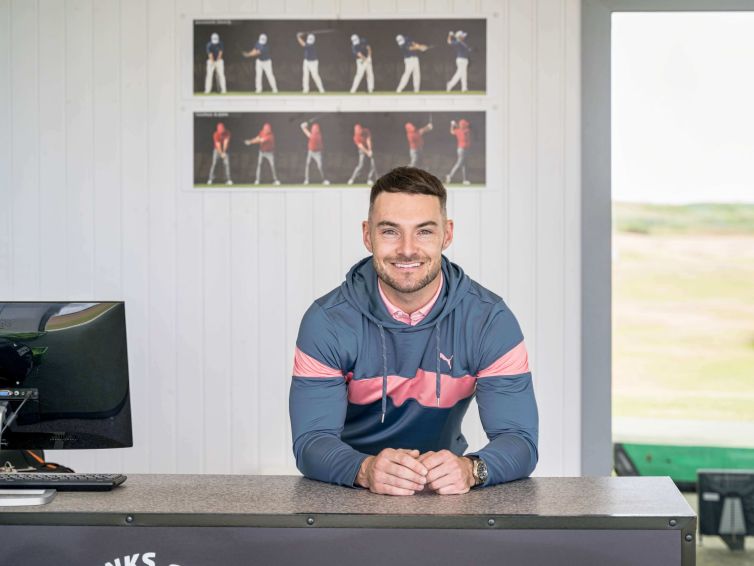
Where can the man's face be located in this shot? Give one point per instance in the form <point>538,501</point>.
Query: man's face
<point>407,234</point>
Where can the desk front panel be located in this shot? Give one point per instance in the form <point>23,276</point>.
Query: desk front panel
<point>243,546</point>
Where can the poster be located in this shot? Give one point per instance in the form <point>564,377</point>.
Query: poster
<point>238,57</point>
<point>335,149</point>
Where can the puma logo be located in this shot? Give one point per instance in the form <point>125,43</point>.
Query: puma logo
<point>447,360</point>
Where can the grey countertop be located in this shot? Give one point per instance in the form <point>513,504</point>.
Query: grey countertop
<point>278,496</point>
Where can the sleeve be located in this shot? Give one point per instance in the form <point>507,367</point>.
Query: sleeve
<point>318,402</point>
<point>505,397</point>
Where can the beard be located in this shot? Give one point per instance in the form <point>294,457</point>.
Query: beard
<point>410,286</point>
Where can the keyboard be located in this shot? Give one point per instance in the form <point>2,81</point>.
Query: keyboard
<point>61,482</point>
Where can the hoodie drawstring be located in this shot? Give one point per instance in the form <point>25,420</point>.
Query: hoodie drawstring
<point>438,374</point>
<point>438,380</point>
<point>384,372</point>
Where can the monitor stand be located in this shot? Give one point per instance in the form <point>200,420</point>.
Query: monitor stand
<point>19,497</point>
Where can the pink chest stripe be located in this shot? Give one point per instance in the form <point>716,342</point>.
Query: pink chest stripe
<point>421,388</point>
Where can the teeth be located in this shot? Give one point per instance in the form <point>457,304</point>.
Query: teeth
<point>407,265</point>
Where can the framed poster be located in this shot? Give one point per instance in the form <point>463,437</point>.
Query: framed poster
<point>335,149</point>
<point>252,58</point>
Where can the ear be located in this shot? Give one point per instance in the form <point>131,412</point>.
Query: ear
<point>448,234</point>
<point>366,236</point>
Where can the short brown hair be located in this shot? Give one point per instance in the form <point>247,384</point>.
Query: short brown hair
<point>409,180</point>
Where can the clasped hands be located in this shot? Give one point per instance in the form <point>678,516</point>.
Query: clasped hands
<point>405,472</point>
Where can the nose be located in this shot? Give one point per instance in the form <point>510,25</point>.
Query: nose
<point>407,246</point>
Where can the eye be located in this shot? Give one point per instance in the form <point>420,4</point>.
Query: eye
<point>389,232</point>
<point>425,232</point>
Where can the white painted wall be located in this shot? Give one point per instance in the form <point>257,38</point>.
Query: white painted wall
<point>92,122</point>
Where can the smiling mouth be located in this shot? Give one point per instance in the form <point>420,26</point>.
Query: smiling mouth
<point>407,266</point>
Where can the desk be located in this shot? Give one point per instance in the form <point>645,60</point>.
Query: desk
<point>184,520</point>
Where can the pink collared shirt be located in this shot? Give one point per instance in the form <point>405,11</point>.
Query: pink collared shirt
<point>415,317</point>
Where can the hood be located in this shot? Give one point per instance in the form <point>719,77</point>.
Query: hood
<point>266,128</point>
<point>361,292</point>
<point>464,124</point>
<point>357,129</point>
<point>410,128</point>
<point>220,127</point>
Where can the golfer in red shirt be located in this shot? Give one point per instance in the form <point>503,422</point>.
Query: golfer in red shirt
<point>362,139</point>
<point>314,150</point>
<point>462,132</point>
<point>266,140</point>
<point>415,139</point>
<point>220,142</point>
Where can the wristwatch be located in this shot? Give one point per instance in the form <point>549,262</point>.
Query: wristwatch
<point>478,469</point>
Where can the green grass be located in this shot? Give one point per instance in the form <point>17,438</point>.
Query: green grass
<point>693,218</point>
<point>344,93</point>
<point>683,312</point>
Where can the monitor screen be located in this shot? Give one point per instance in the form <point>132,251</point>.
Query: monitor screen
<point>64,369</point>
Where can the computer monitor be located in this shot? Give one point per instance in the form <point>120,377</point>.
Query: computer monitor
<point>64,376</point>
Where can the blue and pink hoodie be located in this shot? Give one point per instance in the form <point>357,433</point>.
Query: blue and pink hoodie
<point>363,381</point>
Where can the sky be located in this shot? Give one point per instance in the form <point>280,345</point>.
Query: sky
<point>683,107</point>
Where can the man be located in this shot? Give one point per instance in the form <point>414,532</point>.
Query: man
<point>362,139</point>
<point>410,50</point>
<point>220,142</point>
<point>387,363</point>
<point>415,138</point>
<point>314,150</point>
<point>311,63</point>
<point>457,41</point>
<point>266,140</point>
<point>263,63</point>
<point>462,133</point>
<point>215,64</point>
<point>362,51</point>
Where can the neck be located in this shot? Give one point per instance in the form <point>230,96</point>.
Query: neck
<point>411,302</point>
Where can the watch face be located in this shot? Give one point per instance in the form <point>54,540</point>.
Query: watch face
<point>481,470</point>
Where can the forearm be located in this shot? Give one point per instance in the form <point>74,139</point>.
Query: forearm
<point>509,456</point>
<point>324,457</point>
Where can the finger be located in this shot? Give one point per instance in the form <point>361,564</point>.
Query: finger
<point>424,456</point>
<point>402,483</point>
<point>400,471</point>
<point>411,452</point>
<point>437,474</point>
<point>438,459</point>
<point>453,489</point>
<point>410,463</point>
<point>444,481</point>
<point>392,490</point>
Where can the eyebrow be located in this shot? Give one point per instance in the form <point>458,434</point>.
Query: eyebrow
<point>394,225</point>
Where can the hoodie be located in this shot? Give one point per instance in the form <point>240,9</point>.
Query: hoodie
<point>363,381</point>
